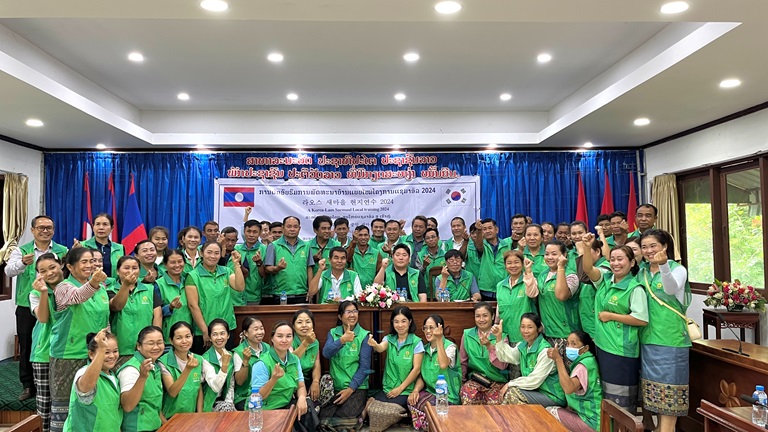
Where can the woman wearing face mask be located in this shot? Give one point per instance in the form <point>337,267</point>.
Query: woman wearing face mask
<point>478,356</point>
<point>134,306</point>
<point>189,242</point>
<point>218,370</point>
<point>181,373</point>
<point>149,271</point>
<point>141,386</point>
<point>515,295</point>
<point>95,400</point>
<point>172,293</point>
<point>248,352</point>
<point>538,383</point>
<point>208,289</point>
<point>581,385</point>
<point>439,359</point>
<point>103,224</point>
<point>664,342</point>
<point>621,308</point>
<point>306,348</point>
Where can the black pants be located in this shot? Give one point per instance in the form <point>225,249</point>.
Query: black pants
<point>487,296</point>
<point>25,322</point>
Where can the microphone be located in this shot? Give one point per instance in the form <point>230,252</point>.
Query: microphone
<point>750,399</point>
<point>739,352</point>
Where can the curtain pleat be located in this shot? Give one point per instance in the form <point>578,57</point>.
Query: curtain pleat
<point>664,196</point>
<point>15,207</point>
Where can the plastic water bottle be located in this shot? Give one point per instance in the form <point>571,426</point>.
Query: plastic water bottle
<point>403,294</point>
<point>441,295</point>
<point>255,417</point>
<point>283,298</point>
<point>441,391</point>
<point>759,413</point>
<point>447,294</point>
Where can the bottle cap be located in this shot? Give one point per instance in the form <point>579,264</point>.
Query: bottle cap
<point>255,390</point>
<point>441,377</point>
<point>759,388</point>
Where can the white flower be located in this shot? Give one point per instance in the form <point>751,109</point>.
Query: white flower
<point>389,302</point>
<point>369,297</point>
<point>718,296</point>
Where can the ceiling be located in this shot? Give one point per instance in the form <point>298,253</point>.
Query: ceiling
<point>65,63</point>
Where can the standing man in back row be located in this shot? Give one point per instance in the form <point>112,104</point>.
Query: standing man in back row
<point>490,253</point>
<point>289,261</point>
<point>415,240</point>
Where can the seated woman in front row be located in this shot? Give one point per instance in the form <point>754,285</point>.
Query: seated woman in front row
<point>141,386</point>
<point>479,361</point>
<point>538,383</point>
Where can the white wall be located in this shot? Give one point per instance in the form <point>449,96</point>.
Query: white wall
<point>736,139</point>
<point>16,159</point>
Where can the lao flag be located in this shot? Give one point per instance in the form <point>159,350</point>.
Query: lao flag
<point>238,197</point>
<point>133,226</point>
<point>87,230</point>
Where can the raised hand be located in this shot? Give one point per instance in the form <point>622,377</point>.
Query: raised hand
<point>444,272</point>
<point>553,353</point>
<point>282,264</point>
<point>497,329</point>
<point>76,243</point>
<point>384,262</point>
<point>248,211</point>
<point>191,362</point>
<point>322,263</point>
<point>176,303</point>
<point>150,277</point>
<point>348,336</point>
<point>311,337</point>
<point>132,278</point>
<point>465,235</point>
<point>660,257</point>
<point>278,372</point>
<point>235,257</point>
<point>99,277</point>
<point>226,357</point>
<point>562,260</point>
<point>528,265</point>
<point>101,338</point>
<point>28,259</point>
<point>427,260</point>
<point>146,366</point>
<point>385,248</point>
<point>588,239</point>
<point>599,230</point>
<point>437,333</point>
<point>247,353</point>
<point>624,226</point>
<point>372,342</point>
<point>39,284</point>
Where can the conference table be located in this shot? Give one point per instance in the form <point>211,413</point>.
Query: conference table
<point>274,421</point>
<point>493,418</point>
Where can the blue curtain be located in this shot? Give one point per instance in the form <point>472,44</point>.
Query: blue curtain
<point>176,189</point>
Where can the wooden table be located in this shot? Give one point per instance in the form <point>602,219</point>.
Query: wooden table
<point>493,418</point>
<point>274,420</point>
<point>739,320</point>
<point>718,419</point>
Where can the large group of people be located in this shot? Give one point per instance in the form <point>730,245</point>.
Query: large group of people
<point>563,318</point>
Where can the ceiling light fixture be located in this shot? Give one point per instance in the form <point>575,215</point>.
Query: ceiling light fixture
<point>400,96</point>
<point>275,57</point>
<point>396,147</point>
<point>136,57</point>
<point>730,83</point>
<point>33,122</point>
<point>183,96</point>
<point>642,121</point>
<point>492,146</point>
<point>674,7</point>
<point>214,5</point>
<point>447,7</point>
<point>200,147</point>
<point>544,58</point>
<point>292,96</point>
<point>411,57</point>
<point>101,146</point>
<point>505,97</point>
<point>588,144</point>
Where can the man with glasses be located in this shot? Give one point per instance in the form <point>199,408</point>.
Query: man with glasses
<point>461,284</point>
<point>22,265</point>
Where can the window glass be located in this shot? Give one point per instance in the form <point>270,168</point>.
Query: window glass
<point>698,230</point>
<point>745,227</point>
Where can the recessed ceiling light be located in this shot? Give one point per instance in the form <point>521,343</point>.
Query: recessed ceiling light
<point>136,57</point>
<point>183,96</point>
<point>400,96</point>
<point>200,147</point>
<point>674,7</point>
<point>411,57</point>
<point>396,146</point>
<point>33,122</point>
<point>275,57</point>
<point>543,58</point>
<point>493,146</point>
<point>101,146</point>
<point>730,83</point>
<point>642,121</point>
<point>214,5</point>
<point>505,97</point>
<point>292,96</point>
<point>588,144</point>
<point>447,7</point>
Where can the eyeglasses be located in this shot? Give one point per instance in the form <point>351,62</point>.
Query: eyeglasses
<point>351,312</point>
<point>428,328</point>
<point>44,228</point>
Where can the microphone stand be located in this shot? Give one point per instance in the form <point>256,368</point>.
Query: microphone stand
<point>740,351</point>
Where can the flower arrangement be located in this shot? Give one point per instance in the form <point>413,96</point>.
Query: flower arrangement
<point>379,296</point>
<point>734,296</point>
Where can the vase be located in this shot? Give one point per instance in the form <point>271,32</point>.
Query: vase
<point>735,308</point>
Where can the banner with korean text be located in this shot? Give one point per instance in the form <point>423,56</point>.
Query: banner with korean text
<point>358,201</point>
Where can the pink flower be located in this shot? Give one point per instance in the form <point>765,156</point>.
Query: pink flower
<point>382,305</point>
<point>725,288</point>
<point>754,297</point>
<point>726,301</point>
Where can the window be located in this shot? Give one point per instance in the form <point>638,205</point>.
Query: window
<point>5,282</point>
<point>722,224</point>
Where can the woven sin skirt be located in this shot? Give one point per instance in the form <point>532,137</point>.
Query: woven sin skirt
<point>665,376</point>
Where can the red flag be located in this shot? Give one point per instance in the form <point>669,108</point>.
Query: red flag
<point>133,226</point>
<point>112,208</point>
<point>581,203</point>
<point>87,231</point>
<point>632,204</point>
<point>607,207</point>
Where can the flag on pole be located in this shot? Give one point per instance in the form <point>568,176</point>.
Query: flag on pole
<point>607,207</point>
<point>112,208</point>
<point>581,203</point>
<point>87,225</point>
<point>632,204</point>
<point>133,226</point>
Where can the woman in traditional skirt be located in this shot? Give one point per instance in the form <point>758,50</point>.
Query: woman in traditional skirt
<point>306,347</point>
<point>621,308</point>
<point>664,342</point>
<point>478,356</point>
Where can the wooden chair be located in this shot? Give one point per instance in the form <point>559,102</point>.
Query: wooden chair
<point>614,418</point>
<point>32,423</point>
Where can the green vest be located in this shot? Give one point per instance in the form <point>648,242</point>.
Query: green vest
<point>492,269</point>
<point>254,283</point>
<point>146,415</point>
<point>243,391</point>
<point>293,278</point>
<point>613,336</point>
<point>308,359</point>
<point>286,386</point>
<point>587,300</point>
<point>41,333</point>
<point>560,318</point>
<point>71,325</point>
<point>436,260</point>
<point>143,272</point>
<point>413,282</point>
<point>213,295</point>
<point>137,313</point>
<point>365,264</point>
<point>587,406</point>
<point>24,280</point>
<point>478,359</point>
<point>539,266</point>
<point>528,360</point>
<point>210,396</point>
<point>314,248</point>
<point>472,263</point>
<point>346,286</point>
<point>104,414</point>
<point>665,327</point>
<point>459,289</point>
<point>399,362</point>
<point>346,361</point>
<point>430,369</point>
<point>116,252</point>
<point>513,302</point>
<point>169,290</point>
<point>186,400</point>
<point>238,297</point>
